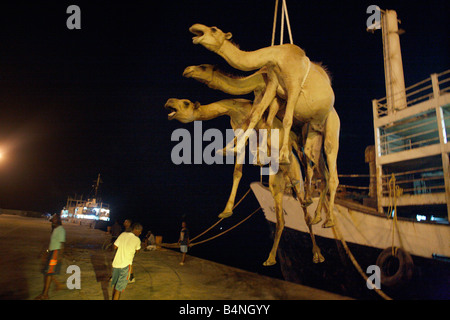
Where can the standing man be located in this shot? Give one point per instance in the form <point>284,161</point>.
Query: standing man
<point>183,241</point>
<point>127,244</point>
<point>115,231</point>
<point>127,225</point>
<point>54,258</point>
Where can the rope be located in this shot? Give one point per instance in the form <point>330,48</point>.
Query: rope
<point>274,23</point>
<point>287,21</point>
<point>220,220</point>
<point>228,230</point>
<point>338,236</point>
<point>176,245</point>
<point>284,14</point>
<point>282,24</point>
<point>394,192</point>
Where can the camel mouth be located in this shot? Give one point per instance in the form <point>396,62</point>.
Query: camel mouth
<point>187,73</point>
<point>172,112</point>
<point>198,32</point>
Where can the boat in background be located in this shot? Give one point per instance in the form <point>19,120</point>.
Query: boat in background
<point>91,209</point>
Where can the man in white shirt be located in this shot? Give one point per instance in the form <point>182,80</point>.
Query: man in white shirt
<point>127,244</point>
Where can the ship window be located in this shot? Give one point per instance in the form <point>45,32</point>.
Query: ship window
<point>446,119</point>
<point>410,133</point>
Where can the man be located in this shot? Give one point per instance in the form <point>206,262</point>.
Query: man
<point>149,242</point>
<point>115,231</point>
<point>183,241</point>
<point>54,258</point>
<point>127,225</point>
<point>127,244</point>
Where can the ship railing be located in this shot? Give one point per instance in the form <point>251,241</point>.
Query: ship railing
<point>393,141</point>
<point>351,177</point>
<point>426,180</point>
<point>416,93</point>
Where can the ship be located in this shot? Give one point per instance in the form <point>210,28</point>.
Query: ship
<point>399,222</point>
<point>91,209</point>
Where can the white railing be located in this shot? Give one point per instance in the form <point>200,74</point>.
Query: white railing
<point>421,91</point>
<point>425,180</point>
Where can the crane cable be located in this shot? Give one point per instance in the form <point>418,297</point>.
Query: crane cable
<point>284,13</point>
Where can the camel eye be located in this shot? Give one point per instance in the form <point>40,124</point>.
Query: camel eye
<point>213,29</point>
<point>203,68</point>
<point>186,103</point>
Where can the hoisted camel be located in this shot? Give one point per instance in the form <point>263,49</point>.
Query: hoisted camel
<point>238,110</point>
<point>309,96</point>
<point>255,83</point>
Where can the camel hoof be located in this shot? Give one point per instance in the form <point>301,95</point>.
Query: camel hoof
<point>269,262</point>
<point>328,224</point>
<point>307,202</point>
<point>318,258</point>
<point>225,214</point>
<point>316,220</point>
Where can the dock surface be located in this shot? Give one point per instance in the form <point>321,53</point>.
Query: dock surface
<point>24,240</point>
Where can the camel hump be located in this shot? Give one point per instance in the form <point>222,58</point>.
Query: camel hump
<point>294,48</point>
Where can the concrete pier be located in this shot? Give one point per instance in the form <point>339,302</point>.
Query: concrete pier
<point>159,276</point>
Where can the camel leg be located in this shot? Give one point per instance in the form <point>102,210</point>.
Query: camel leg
<point>258,110</point>
<point>273,110</point>
<point>237,174</point>
<point>312,149</point>
<point>276,184</point>
<point>331,146</point>
<point>287,124</point>
<point>324,190</point>
<point>293,174</point>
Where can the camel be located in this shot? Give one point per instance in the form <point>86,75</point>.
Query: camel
<point>255,83</point>
<point>186,111</point>
<point>309,95</point>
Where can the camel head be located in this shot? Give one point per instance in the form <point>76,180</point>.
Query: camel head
<point>211,38</point>
<point>182,110</point>
<point>203,73</point>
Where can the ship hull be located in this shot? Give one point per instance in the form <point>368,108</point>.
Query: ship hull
<point>366,235</point>
<point>430,279</point>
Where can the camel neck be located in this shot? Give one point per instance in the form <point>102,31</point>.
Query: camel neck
<point>236,109</point>
<point>236,86</point>
<point>242,60</point>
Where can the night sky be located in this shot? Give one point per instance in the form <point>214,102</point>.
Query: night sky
<point>75,103</point>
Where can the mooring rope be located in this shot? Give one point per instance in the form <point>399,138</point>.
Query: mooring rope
<point>338,236</point>
<point>176,245</point>
<point>228,230</point>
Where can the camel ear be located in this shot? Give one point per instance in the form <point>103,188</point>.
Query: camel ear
<point>228,35</point>
<point>196,105</point>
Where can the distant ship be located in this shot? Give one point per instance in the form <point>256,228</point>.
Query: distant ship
<point>90,209</point>
<point>411,154</point>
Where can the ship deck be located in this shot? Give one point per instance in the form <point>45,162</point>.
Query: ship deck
<point>158,273</point>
